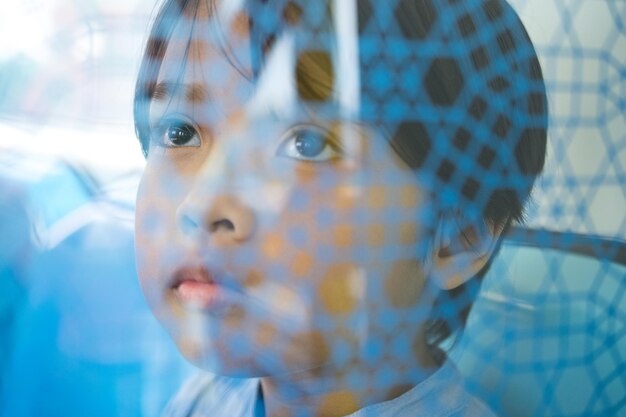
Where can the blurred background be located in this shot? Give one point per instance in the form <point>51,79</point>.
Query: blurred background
<point>76,338</point>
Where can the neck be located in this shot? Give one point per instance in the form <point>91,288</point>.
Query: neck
<point>364,379</point>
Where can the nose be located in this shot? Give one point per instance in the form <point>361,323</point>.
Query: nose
<point>226,220</point>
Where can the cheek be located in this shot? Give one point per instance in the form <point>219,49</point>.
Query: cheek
<point>377,240</point>
<point>349,221</point>
<point>148,222</point>
<point>404,283</point>
<point>157,198</point>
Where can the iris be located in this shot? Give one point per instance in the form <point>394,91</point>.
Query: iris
<point>180,134</point>
<point>310,143</point>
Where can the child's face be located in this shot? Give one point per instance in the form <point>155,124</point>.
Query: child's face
<point>273,234</point>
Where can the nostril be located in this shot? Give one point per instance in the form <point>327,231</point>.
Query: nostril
<point>222,224</point>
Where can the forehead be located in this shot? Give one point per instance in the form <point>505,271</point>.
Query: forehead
<point>419,61</point>
<point>195,39</point>
<point>224,49</point>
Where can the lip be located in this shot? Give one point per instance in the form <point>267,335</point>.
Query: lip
<point>200,288</point>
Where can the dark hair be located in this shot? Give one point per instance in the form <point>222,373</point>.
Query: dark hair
<point>503,129</point>
<point>475,120</point>
<point>515,151</point>
<point>154,52</point>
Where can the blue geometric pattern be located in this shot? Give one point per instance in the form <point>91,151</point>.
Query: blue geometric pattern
<point>546,335</point>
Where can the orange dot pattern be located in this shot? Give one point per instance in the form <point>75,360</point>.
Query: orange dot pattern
<point>334,272</point>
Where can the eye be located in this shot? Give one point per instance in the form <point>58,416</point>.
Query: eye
<point>176,132</point>
<point>310,143</point>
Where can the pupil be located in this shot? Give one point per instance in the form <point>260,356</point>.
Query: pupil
<point>310,144</point>
<point>180,135</point>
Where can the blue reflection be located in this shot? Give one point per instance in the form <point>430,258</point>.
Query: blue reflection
<point>77,336</point>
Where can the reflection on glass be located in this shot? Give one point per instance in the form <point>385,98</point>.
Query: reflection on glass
<point>325,185</point>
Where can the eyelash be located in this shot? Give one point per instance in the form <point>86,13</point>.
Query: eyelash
<point>177,125</point>
<point>327,150</point>
<point>291,148</point>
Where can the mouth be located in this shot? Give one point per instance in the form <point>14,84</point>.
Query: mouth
<point>196,287</point>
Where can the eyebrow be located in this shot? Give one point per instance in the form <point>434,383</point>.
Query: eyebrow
<point>194,92</point>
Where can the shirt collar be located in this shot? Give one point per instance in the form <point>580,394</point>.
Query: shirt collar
<point>208,395</point>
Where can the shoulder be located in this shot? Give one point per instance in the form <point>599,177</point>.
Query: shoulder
<point>452,398</point>
<point>443,394</point>
<point>473,407</point>
<point>205,394</point>
<point>189,394</point>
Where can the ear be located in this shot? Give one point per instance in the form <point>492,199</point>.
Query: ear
<point>461,249</point>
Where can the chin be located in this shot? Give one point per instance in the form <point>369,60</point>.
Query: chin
<point>216,360</point>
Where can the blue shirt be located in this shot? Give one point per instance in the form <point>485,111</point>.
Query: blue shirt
<point>441,395</point>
